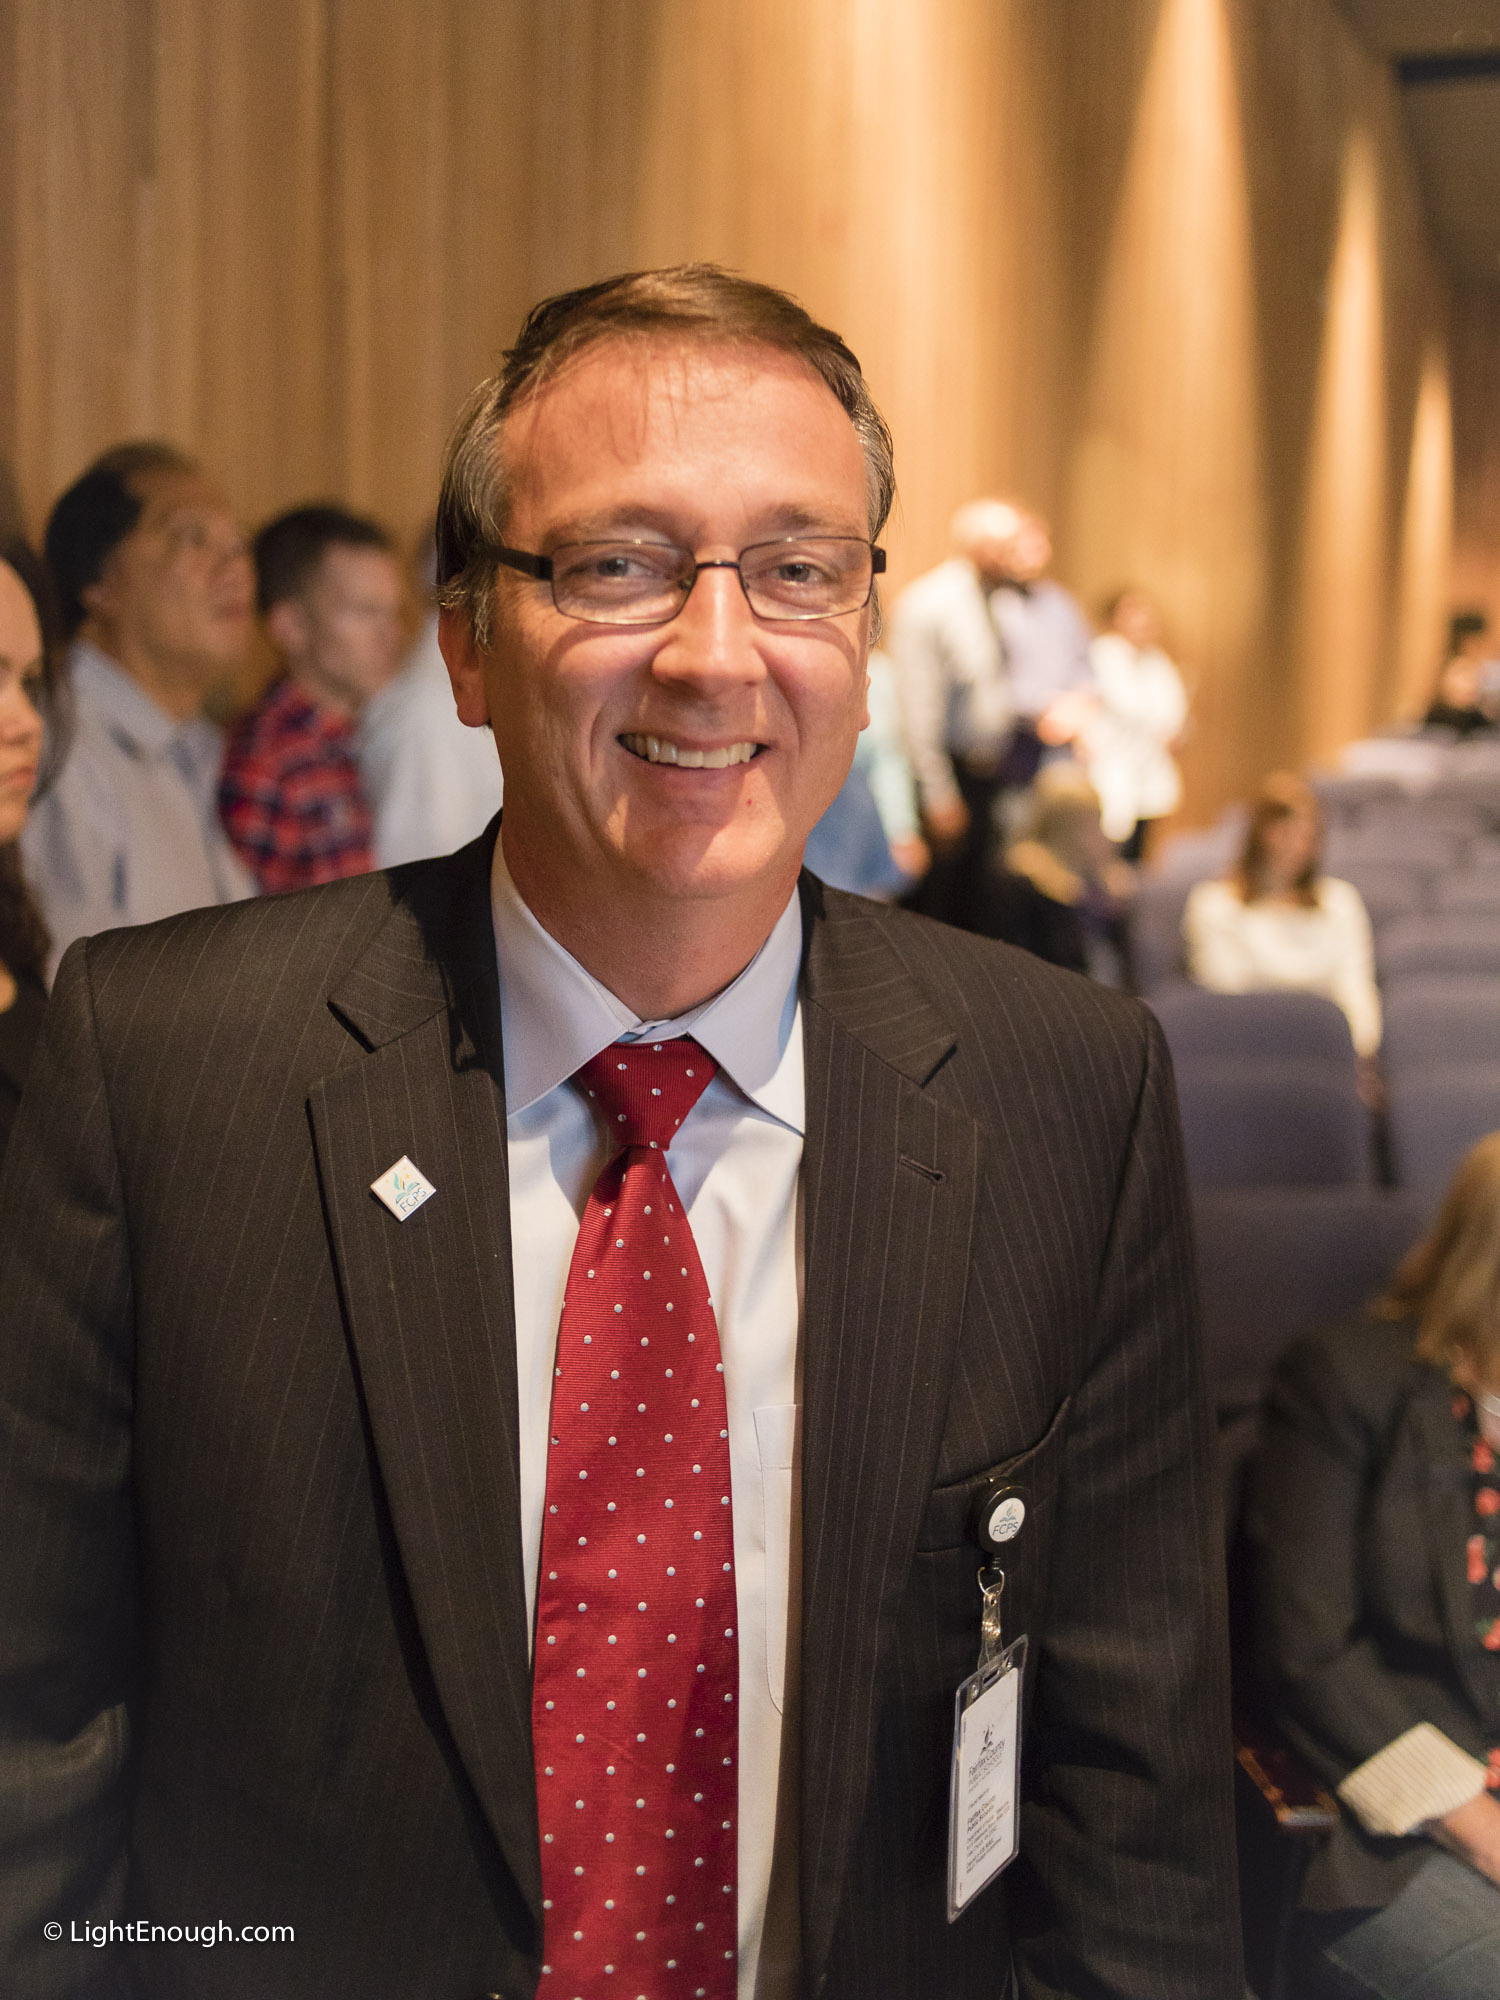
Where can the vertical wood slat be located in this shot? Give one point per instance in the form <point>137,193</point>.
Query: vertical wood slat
<point>1476,443</point>
<point>292,233</point>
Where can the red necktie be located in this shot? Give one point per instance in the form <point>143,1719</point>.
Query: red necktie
<point>635,1694</point>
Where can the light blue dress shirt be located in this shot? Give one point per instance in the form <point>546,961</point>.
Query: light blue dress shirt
<point>130,831</point>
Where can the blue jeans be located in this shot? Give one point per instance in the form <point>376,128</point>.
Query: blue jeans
<point>1438,1940</point>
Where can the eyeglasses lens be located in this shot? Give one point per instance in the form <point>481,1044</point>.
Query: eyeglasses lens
<point>646,583</point>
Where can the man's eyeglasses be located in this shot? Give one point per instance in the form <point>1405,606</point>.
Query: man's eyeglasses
<point>647,583</point>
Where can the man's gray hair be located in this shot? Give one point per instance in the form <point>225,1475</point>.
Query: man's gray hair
<point>699,302</point>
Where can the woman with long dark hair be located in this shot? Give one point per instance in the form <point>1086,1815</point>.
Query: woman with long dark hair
<point>1278,921</point>
<point>29,751</point>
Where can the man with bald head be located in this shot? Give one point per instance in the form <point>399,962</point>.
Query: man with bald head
<point>987,650</point>
<point>503,1415</point>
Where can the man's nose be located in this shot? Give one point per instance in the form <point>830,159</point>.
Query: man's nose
<point>19,720</point>
<point>712,637</point>
<point>231,547</point>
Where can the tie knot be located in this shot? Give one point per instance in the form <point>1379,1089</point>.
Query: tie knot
<point>645,1089</point>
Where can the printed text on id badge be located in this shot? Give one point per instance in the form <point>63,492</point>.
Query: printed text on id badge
<point>982,1832</point>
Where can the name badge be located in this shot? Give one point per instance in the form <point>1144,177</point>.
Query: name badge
<point>984,1790</point>
<point>982,1833</point>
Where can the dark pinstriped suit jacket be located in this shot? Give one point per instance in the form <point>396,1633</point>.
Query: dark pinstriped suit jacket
<point>262,1627</point>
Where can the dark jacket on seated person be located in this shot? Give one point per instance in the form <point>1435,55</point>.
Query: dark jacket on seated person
<point>20,1025</point>
<point>1361,1514</point>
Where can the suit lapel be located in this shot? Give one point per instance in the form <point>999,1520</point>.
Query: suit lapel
<point>1448,1488</point>
<point>889,1181</point>
<point>430,1309</point>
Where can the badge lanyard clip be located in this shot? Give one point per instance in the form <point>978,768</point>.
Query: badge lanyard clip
<point>992,1586</point>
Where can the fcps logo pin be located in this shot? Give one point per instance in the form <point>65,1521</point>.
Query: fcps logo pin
<point>403,1188</point>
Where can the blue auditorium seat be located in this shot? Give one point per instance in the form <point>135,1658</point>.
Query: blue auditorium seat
<point>1435,1115</point>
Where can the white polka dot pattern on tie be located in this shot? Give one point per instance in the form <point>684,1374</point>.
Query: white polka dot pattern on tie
<point>633,1719</point>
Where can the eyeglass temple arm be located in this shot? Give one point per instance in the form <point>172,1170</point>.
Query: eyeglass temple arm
<point>529,565</point>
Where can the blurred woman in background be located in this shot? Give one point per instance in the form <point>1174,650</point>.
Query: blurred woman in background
<point>1375,1525</point>
<point>1278,922</point>
<point>28,694</point>
<point>1137,712</point>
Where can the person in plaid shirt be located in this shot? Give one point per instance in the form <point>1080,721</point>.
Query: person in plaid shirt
<point>329,588</point>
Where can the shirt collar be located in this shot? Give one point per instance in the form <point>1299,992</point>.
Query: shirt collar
<point>124,705</point>
<point>554,1014</point>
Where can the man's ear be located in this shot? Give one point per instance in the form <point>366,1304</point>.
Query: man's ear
<point>286,628</point>
<point>465,664</point>
<point>99,598</point>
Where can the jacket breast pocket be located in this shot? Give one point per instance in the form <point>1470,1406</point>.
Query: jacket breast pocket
<point>946,1517</point>
<point>946,1575</point>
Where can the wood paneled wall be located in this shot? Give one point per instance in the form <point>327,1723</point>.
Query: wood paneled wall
<point>1157,266</point>
<point>1476,453</point>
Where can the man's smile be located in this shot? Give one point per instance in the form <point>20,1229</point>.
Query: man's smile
<point>661,750</point>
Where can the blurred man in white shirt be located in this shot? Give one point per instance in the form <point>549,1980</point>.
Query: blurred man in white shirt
<point>156,591</point>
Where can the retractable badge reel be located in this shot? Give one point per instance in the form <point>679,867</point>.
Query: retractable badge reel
<point>982,1831</point>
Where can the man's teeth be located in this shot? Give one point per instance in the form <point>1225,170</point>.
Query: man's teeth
<point>657,750</point>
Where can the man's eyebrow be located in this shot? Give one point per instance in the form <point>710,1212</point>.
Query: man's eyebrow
<point>612,523</point>
<point>626,520</point>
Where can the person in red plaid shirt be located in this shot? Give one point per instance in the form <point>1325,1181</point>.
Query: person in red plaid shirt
<point>329,588</point>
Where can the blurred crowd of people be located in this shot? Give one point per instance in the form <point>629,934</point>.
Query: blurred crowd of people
<point>1016,756</point>
<point>122,799</point>
<point>1015,760</point>
<point>1012,762</point>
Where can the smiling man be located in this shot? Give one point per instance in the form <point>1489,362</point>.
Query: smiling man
<point>501,1420</point>
<point>155,585</point>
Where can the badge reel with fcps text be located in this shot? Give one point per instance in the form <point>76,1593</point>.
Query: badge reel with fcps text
<point>985,1789</point>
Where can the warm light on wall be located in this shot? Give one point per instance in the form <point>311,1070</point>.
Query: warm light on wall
<point>1426,538</point>
<point>1166,479</point>
<point>1343,595</point>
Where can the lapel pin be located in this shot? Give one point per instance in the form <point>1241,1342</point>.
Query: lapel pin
<point>403,1188</point>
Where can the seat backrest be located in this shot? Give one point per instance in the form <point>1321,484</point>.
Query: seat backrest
<point>1157,951</point>
<point>1439,941</point>
<point>1258,1123</point>
<point>1343,795</point>
<point>1479,790</point>
<point>1277,1262</point>
<point>1408,843</point>
<point>1387,889</point>
<point>1435,1019</point>
<point>1448,812</point>
<point>1477,758</point>
<point>1245,1026</point>
<point>1435,1115</point>
<point>1470,889</point>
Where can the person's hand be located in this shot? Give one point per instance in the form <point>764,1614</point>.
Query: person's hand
<point>912,856</point>
<point>947,823</point>
<point>1472,1832</point>
<point>1066,719</point>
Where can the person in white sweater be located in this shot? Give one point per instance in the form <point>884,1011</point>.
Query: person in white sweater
<point>1277,922</point>
<point>1138,711</point>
